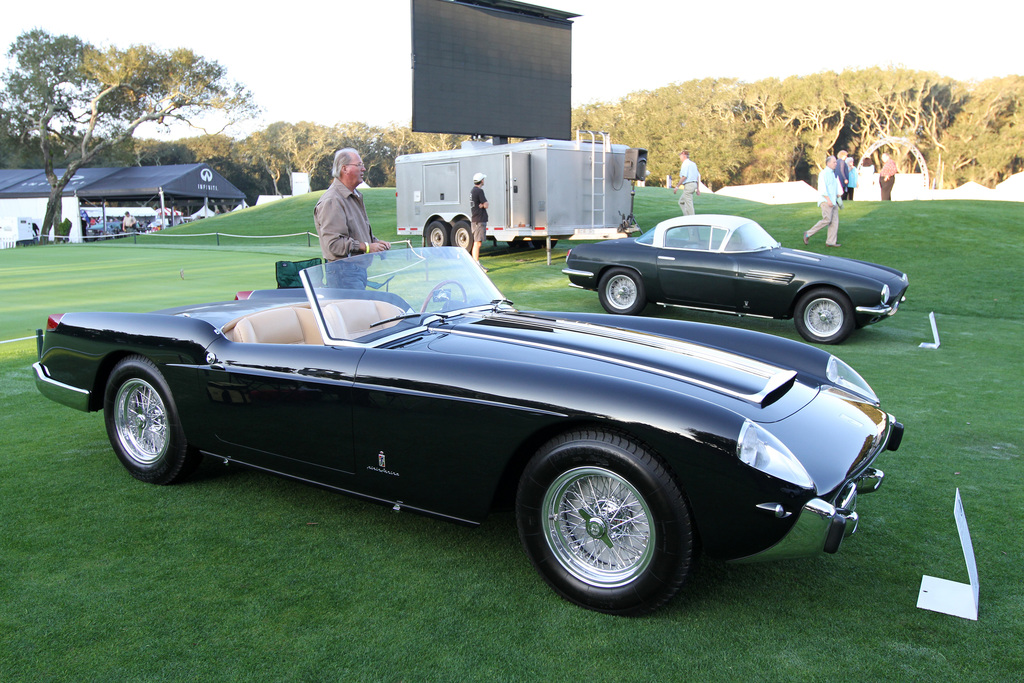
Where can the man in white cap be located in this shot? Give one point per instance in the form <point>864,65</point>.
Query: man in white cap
<point>478,209</point>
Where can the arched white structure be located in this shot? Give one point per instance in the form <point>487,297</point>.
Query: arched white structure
<point>902,142</point>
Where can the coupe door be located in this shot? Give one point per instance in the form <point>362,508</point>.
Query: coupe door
<point>692,272</point>
<point>282,406</point>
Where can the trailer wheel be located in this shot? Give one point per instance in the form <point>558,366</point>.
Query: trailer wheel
<point>462,234</point>
<point>436,234</point>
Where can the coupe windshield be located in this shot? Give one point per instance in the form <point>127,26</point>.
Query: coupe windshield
<point>370,293</point>
<point>750,237</point>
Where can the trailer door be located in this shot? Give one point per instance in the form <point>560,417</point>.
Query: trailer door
<point>517,186</point>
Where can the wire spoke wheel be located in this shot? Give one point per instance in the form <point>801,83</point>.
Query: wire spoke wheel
<point>140,418</point>
<point>598,526</point>
<point>824,317</point>
<point>143,425</point>
<point>622,291</point>
<point>604,522</point>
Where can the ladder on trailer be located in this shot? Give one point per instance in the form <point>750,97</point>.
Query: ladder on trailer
<point>597,173</point>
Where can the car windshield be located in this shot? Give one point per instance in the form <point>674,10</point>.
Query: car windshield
<point>368,294</point>
<point>750,237</point>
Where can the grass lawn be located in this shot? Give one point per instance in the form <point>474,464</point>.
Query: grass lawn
<point>237,575</point>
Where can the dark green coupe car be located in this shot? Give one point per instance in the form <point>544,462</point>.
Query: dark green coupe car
<point>730,264</point>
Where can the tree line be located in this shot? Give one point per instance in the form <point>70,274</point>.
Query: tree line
<point>778,130</point>
<point>67,104</point>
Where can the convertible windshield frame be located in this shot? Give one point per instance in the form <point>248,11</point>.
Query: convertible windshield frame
<point>370,299</point>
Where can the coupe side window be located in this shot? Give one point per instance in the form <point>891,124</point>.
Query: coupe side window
<point>695,237</point>
<point>717,235</point>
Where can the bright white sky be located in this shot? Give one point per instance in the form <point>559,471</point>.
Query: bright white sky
<point>349,60</point>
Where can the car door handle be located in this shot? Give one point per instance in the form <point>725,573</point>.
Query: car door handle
<point>666,258</point>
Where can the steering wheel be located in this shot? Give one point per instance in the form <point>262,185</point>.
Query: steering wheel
<point>437,287</point>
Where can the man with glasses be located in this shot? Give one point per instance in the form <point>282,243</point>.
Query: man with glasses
<point>340,215</point>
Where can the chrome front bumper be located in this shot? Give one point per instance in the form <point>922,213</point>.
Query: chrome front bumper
<point>822,526</point>
<point>882,310</point>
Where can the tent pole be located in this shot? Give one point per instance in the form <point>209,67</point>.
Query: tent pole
<point>163,209</point>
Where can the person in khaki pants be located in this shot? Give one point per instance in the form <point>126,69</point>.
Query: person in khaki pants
<point>829,201</point>
<point>689,179</point>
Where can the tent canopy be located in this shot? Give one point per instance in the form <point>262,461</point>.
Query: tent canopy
<point>181,182</point>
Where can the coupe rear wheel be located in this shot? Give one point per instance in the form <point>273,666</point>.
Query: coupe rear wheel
<point>143,426</point>
<point>604,523</point>
<point>824,316</point>
<point>622,291</point>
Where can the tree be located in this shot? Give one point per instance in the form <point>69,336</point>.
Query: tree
<point>264,150</point>
<point>986,141</point>
<point>77,102</point>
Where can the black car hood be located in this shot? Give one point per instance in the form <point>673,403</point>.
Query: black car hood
<point>834,263</point>
<point>750,385</point>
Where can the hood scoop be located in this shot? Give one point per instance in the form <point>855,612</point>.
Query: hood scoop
<point>721,371</point>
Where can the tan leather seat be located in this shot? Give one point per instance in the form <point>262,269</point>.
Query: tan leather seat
<point>287,325</point>
<point>352,318</point>
<point>348,319</point>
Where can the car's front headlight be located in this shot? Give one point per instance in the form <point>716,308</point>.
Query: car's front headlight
<point>760,449</point>
<point>885,293</point>
<point>845,377</point>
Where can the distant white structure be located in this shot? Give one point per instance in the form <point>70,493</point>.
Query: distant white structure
<point>909,186</point>
<point>773,193</point>
<point>300,183</point>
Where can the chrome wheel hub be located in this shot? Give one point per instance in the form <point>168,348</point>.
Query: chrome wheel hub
<point>823,317</point>
<point>621,292</point>
<point>140,418</point>
<point>598,526</point>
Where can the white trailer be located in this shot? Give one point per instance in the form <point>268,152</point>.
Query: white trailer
<point>17,232</point>
<point>537,190</point>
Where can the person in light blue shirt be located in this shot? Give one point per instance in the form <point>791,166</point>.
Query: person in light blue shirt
<point>852,172</point>
<point>829,202</point>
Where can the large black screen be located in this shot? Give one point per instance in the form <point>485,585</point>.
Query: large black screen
<point>503,69</point>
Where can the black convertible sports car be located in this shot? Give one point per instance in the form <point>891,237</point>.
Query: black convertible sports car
<point>625,445</point>
<point>729,264</point>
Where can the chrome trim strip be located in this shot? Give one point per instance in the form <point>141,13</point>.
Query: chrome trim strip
<point>738,314</point>
<point>579,273</point>
<point>769,277</point>
<point>65,394</point>
<point>806,255</point>
<point>876,310</point>
<point>774,377</point>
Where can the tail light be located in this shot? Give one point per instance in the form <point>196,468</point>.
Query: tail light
<point>53,321</point>
<point>242,296</point>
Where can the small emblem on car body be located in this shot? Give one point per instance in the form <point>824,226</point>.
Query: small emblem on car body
<point>382,466</point>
